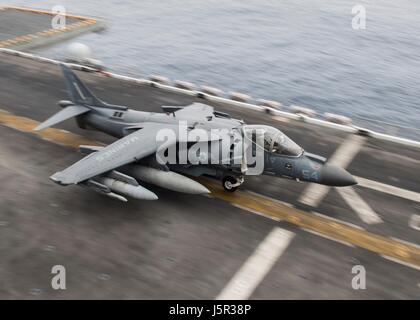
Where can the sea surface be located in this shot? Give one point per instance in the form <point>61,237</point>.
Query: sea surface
<point>293,51</point>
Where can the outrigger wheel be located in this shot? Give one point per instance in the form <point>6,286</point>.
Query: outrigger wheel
<point>230,183</point>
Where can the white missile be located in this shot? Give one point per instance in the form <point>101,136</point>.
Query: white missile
<point>102,189</point>
<point>165,179</point>
<point>126,189</point>
<point>115,196</point>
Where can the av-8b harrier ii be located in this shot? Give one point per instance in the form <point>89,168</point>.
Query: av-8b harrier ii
<point>168,148</point>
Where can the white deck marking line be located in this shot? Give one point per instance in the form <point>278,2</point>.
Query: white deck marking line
<point>292,206</point>
<point>313,194</point>
<point>345,154</point>
<point>401,262</point>
<point>256,267</point>
<point>415,222</point>
<point>342,157</point>
<point>359,205</point>
<point>386,188</point>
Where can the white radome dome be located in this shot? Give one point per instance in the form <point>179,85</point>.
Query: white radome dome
<point>78,51</point>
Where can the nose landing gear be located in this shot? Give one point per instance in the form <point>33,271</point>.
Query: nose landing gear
<point>231,183</point>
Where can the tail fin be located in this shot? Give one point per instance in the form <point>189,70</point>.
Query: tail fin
<point>78,92</point>
<point>82,101</point>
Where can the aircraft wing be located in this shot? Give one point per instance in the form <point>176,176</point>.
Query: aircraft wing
<point>132,147</point>
<point>195,110</point>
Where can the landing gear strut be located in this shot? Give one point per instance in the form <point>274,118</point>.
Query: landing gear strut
<point>231,183</point>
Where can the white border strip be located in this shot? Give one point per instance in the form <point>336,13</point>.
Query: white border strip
<point>386,188</point>
<point>410,265</point>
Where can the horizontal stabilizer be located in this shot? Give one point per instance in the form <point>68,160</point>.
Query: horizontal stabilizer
<point>66,113</point>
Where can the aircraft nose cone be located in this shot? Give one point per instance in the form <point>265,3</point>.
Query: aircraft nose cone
<point>336,176</point>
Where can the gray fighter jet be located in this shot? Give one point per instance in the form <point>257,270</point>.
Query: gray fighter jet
<point>152,148</point>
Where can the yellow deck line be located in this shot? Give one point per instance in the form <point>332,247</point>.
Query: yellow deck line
<point>61,137</point>
<point>85,21</point>
<point>401,251</point>
<point>40,11</point>
<point>332,228</point>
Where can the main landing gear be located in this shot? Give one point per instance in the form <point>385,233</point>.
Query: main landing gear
<point>231,183</point>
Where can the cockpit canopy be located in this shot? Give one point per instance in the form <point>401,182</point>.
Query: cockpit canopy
<point>273,140</point>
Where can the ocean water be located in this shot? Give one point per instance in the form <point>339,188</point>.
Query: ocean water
<point>293,51</point>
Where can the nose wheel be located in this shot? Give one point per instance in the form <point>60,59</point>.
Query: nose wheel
<point>230,183</point>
